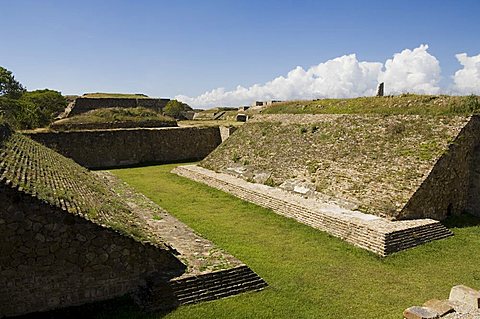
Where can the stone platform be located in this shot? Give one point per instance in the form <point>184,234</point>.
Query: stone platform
<point>369,232</point>
<point>211,272</point>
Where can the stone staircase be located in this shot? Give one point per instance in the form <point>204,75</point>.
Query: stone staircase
<point>370,232</point>
<point>218,115</point>
<point>160,295</point>
<point>216,285</point>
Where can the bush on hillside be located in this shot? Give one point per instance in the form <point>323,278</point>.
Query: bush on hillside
<point>176,109</point>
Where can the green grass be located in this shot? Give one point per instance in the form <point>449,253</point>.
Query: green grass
<point>401,104</point>
<point>137,115</point>
<point>311,274</point>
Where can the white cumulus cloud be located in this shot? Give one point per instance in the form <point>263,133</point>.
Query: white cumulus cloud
<point>415,71</point>
<point>408,71</point>
<point>467,79</point>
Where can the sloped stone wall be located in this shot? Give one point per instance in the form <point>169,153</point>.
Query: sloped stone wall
<point>51,259</point>
<point>83,105</point>
<point>449,188</point>
<point>116,148</point>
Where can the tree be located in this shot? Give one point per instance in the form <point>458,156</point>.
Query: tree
<point>48,104</point>
<point>9,87</point>
<point>175,109</point>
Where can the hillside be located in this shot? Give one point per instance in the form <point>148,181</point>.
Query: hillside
<point>374,163</point>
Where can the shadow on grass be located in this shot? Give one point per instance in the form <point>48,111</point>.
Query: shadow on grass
<point>461,221</point>
<point>123,307</point>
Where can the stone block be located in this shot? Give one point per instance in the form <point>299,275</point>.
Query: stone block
<point>416,312</point>
<point>465,295</point>
<point>441,307</point>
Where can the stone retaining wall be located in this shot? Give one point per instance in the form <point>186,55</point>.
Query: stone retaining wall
<point>450,185</point>
<point>51,259</point>
<point>83,105</point>
<point>373,233</point>
<point>123,147</point>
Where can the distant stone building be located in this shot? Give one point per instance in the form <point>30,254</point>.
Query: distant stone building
<point>265,103</point>
<point>85,104</point>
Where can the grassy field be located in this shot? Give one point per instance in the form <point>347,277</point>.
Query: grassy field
<point>400,104</point>
<point>311,274</point>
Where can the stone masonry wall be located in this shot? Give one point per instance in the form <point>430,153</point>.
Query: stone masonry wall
<point>116,148</point>
<point>446,189</point>
<point>51,259</point>
<point>83,105</point>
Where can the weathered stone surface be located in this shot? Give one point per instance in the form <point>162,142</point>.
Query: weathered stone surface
<point>398,166</point>
<point>370,232</point>
<point>416,312</point>
<point>466,296</point>
<point>85,104</point>
<point>123,147</point>
<point>440,307</point>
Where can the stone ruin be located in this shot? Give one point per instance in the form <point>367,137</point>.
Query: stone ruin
<point>85,104</point>
<point>380,89</point>
<point>380,182</point>
<point>463,302</point>
<point>67,239</point>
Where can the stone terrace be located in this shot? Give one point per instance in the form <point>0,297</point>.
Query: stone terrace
<point>370,232</point>
<point>50,202</point>
<point>394,166</point>
<point>44,174</point>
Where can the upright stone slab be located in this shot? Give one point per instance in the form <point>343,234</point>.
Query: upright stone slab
<point>380,89</point>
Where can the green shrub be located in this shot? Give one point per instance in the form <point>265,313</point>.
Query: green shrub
<point>175,109</point>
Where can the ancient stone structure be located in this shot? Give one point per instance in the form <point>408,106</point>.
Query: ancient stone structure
<point>369,232</point>
<point>463,302</point>
<point>123,147</point>
<point>380,89</point>
<point>226,131</point>
<point>85,104</point>
<point>257,104</point>
<point>241,118</point>
<point>66,238</point>
<point>396,166</point>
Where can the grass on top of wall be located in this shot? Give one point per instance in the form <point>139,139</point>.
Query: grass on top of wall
<point>310,273</point>
<point>138,115</point>
<point>400,104</point>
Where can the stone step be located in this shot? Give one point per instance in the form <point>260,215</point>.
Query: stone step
<point>378,240</point>
<point>212,282</point>
<point>221,292</point>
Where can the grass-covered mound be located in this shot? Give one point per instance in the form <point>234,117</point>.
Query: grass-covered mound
<point>402,104</point>
<point>34,169</point>
<point>117,117</point>
<point>374,163</point>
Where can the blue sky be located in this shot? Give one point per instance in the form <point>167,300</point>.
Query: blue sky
<point>170,48</point>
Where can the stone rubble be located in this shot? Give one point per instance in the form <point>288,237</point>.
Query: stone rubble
<point>463,303</point>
